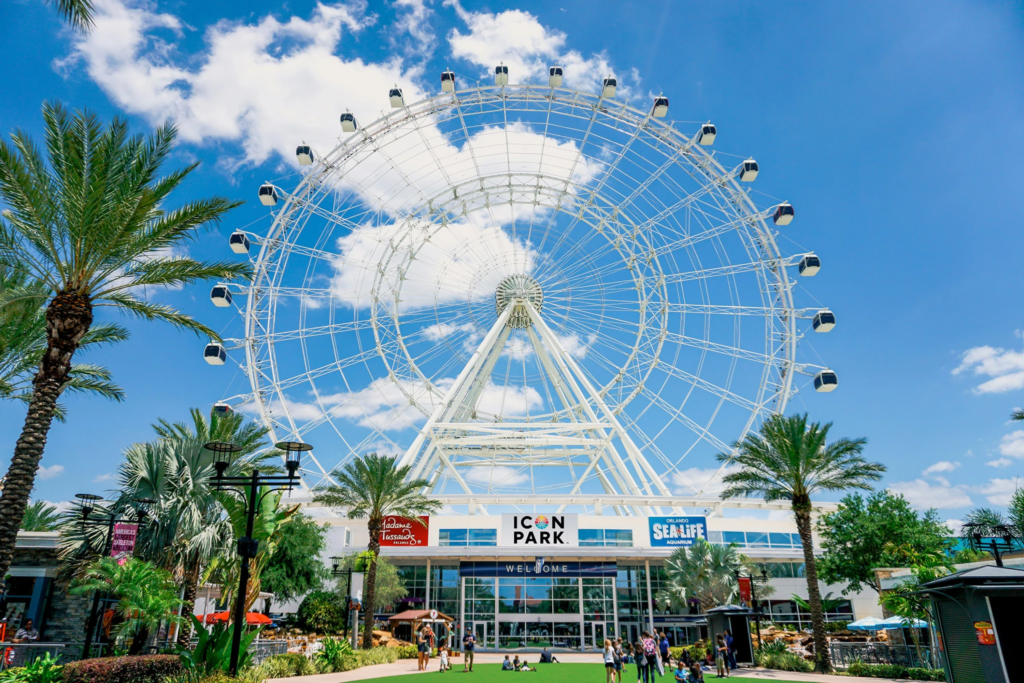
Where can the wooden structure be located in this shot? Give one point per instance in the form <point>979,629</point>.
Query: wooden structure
<point>405,625</point>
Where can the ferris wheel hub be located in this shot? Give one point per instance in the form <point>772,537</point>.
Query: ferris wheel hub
<point>518,288</point>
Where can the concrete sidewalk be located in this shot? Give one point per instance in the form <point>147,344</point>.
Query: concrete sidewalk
<point>408,666</point>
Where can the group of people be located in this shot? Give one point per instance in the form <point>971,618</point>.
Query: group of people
<point>651,654</point>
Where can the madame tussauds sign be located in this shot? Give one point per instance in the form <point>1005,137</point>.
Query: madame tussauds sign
<point>402,531</point>
<point>539,530</point>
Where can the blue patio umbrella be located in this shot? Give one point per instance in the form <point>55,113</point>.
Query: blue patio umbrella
<point>867,624</point>
<point>900,622</point>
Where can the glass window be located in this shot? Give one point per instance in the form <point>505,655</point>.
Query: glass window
<point>780,540</point>
<point>483,537</point>
<point>756,539</point>
<point>591,537</point>
<point>618,537</point>
<point>736,537</point>
<point>797,542</point>
<point>714,537</point>
<point>449,537</point>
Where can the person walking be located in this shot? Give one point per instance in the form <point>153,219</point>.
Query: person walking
<point>663,647</point>
<point>642,672</point>
<point>651,655</point>
<point>468,648</point>
<point>618,659</point>
<point>421,648</point>
<point>729,641</point>
<point>720,654</point>
<point>443,654</point>
<point>609,662</point>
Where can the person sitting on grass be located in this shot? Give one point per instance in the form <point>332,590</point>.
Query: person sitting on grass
<point>516,663</point>
<point>696,675</point>
<point>548,658</point>
<point>680,673</point>
<point>526,666</point>
<point>507,665</point>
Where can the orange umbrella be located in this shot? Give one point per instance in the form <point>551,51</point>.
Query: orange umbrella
<point>251,618</point>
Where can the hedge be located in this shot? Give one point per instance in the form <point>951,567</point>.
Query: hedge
<point>137,669</point>
<point>912,673</point>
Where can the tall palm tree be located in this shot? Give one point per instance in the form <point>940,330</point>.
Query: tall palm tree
<point>89,222</point>
<point>789,459</point>
<point>78,13</point>
<point>372,487</point>
<point>40,516</point>
<point>703,572</point>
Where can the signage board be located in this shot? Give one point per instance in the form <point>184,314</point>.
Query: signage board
<point>403,532</point>
<point>530,569</point>
<point>745,590</point>
<point>123,541</point>
<point>539,531</point>
<point>674,532</point>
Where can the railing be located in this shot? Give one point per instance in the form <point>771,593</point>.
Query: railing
<point>267,648</point>
<point>23,654</point>
<point>845,654</point>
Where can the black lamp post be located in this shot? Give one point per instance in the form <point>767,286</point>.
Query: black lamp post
<point>337,571</point>
<point>763,578</point>
<point>109,519</point>
<point>248,488</point>
<point>998,545</point>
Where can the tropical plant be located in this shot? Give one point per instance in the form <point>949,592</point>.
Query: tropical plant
<point>705,572</point>
<point>389,587</point>
<point>89,223</point>
<point>78,13</point>
<point>372,487</point>
<point>904,601</point>
<point>789,459</point>
<point>40,516</point>
<point>295,567</point>
<point>322,612</point>
<point>43,669</point>
<point>333,652</point>
<point>121,669</point>
<point>828,603</point>
<point>146,595</point>
<point>212,652</point>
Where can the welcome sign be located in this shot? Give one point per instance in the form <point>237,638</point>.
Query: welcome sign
<point>676,532</point>
<point>539,531</point>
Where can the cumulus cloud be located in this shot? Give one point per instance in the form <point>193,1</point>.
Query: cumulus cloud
<point>925,495</point>
<point>109,476</point>
<point>1000,462</point>
<point>50,472</point>
<point>497,476</point>
<point>1012,444</point>
<point>998,491</point>
<point>1004,366</point>
<point>941,466</point>
<point>707,482</point>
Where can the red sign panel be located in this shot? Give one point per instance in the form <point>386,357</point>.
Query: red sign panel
<point>402,531</point>
<point>745,591</point>
<point>123,545</point>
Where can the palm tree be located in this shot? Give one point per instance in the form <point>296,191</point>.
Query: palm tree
<point>704,572</point>
<point>78,13</point>
<point>89,223</point>
<point>373,487</point>
<point>789,459</point>
<point>40,516</point>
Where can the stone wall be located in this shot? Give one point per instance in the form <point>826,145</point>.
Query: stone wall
<point>65,613</point>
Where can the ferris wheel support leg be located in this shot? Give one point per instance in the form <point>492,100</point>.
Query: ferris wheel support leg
<point>467,404</point>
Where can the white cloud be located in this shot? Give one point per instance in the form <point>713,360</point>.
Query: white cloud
<point>441,330</point>
<point>1012,444</point>
<point>574,346</point>
<point>517,39</point>
<point>998,491</point>
<point>1000,462</point>
<point>925,495</point>
<point>707,481</point>
<point>109,476</point>
<point>941,466</point>
<point>496,476</point>
<point>50,472</point>
<point>954,526</point>
<point>1006,367</point>
<point>415,21</point>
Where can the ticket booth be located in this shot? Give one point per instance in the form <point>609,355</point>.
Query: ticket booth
<point>735,619</point>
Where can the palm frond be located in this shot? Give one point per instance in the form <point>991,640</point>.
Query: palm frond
<point>149,310</point>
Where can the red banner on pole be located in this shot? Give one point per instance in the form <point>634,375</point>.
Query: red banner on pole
<point>123,545</point>
<point>745,590</point>
<point>402,531</point>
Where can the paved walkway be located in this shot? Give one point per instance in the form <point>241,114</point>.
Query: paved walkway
<point>408,666</point>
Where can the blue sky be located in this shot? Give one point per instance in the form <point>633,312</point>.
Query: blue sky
<point>896,129</point>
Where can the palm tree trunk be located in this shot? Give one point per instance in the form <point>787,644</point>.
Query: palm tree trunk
<point>188,603</point>
<point>68,318</point>
<point>802,511</point>
<point>369,589</point>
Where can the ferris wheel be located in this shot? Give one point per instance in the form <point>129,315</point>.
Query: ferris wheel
<point>522,289</point>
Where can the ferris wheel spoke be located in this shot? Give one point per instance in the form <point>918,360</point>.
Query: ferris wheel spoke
<point>723,349</point>
<point>758,311</point>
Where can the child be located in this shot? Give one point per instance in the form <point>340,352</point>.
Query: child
<point>444,658</point>
<point>696,674</point>
<point>506,665</point>
<point>680,673</point>
<point>720,654</point>
<point>526,666</point>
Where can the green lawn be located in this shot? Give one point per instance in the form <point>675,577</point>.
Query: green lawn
<point>546,673</point>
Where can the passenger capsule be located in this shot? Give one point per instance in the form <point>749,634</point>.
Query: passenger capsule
<point>448,81</point>
<point>826,381</point>
<point>783,214</point>
<point>810,265</point>
<point>660,107</point>
<point>501,75</point>
<point>304,155</point>
<point>221,409</point>
<point>397,101</point>
<point>608,87</point>
<point>555,77</point>
<point>706,136</point>
<point>268,195</point>
<point>220,296</point>
<point>748,171</point>
<point>214,354</point>
<point>239,242</point>
<point>824,320</point>
<point>348,123</point>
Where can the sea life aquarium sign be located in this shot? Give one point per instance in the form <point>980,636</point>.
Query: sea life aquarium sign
<point>535,531</point>
<point>677,532</point>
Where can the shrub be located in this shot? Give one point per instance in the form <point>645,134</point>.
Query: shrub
<point>774,647</point>
<point>290,664</point>
<point>697,651</point>
<point>407,652</point>
<point>895,671</point>
<point>783,661</point>
<point>43,670</point>
<point>137,669</point>
<point>377,655</point>
<point>321,611</point>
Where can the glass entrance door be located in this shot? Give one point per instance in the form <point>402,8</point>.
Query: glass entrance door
<point>480,631</point>
<point>595,634</point>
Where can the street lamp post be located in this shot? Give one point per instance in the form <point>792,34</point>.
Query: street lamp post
<point>764,578</point>
<point>337,571</point>
<point>996,546</point>
<point>248,488</point>
<point>88,507</point>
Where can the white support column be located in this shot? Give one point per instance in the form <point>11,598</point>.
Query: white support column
<point>650,596</point>
<point>426,603</point>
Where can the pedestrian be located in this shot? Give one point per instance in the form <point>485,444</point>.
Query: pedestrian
<point>443,653</point>
<point>618,660</point>
<point>663,646</point>
<point>468,647</point>
<point>651,655</point>
<point>642,673</point>
<point>720,654</point>
<point>421,648</point>
<point>609,662</point>
<point>729,640</point>
<point>628,659</point>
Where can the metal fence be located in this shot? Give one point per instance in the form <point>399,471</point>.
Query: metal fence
<point>845,654</point>
<point>267,648</point>
<point>23,654</point>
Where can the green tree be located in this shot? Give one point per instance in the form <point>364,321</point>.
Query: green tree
<point>389,587</point>
<point>89,223</point>
<point>40,516</point>
<point>854,537</point>
<point>371,488</point>
<point>704,572</point>
<point>146,595</point>
<point>295,567</point>
<point>791,459</point>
